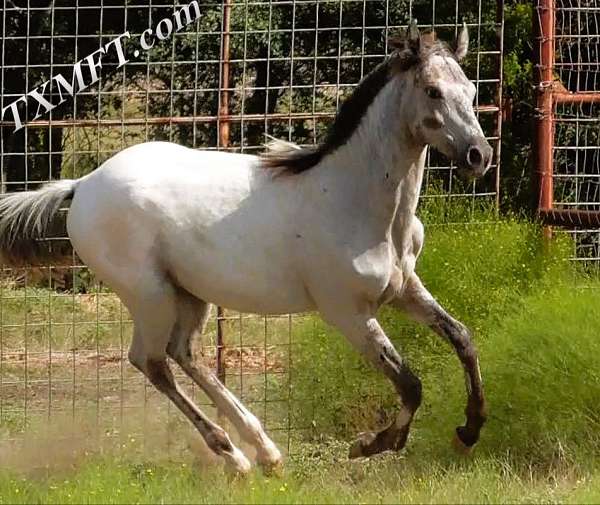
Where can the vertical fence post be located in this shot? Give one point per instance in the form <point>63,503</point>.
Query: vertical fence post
<point>544,30</point>
<point>498,126</point>
<point>223,143</point>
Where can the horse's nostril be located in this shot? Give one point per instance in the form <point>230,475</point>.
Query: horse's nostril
<point>474,157</point>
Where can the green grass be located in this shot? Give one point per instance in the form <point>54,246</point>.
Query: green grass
<point>536,320</point>
<point>330,478</point>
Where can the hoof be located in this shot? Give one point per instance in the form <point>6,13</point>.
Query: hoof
<point>460,447</point>
<point>272,468</point>
<point>270,461</point>
<point>236,464</point>
<point>357,449</point>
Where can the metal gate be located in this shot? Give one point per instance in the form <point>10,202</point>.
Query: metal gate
<point>568,132</point>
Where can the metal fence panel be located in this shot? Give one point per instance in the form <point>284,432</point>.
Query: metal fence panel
<point>569,126</point>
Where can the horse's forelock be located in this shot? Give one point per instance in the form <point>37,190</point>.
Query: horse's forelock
<point>409,53</point>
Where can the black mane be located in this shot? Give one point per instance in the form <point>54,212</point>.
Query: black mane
<point>346,122</point>
<point>354,108</point>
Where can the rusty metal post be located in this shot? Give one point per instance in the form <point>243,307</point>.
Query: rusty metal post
<point>224,95</point>
<point>223,121</point>
<point>544,29</point>
<point>498,127</point>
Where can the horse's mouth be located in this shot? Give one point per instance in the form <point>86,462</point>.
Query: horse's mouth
<point>467,173</point>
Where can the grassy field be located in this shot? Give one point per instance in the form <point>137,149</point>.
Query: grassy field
<point>319,475</point>
<point>536,320</point>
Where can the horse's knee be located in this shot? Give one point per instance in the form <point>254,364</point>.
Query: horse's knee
<point>460,337</point>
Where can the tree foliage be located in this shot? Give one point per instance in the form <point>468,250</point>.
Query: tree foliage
<point>518,189</point>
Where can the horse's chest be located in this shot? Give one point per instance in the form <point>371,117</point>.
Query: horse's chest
<point>372,268</point>
<point>402,270</point>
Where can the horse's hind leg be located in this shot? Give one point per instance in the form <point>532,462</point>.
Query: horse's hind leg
<point>191,318</point>
<point>154,316</point>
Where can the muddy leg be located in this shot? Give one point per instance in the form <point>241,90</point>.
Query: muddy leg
<point>365,333</point>
<point>154,317</point>
<point>215,437</point>
<point>418,303</point>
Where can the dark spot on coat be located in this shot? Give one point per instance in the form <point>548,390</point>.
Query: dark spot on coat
<point>218,441</point>
<point>405,381</point>
<point>159,375</point>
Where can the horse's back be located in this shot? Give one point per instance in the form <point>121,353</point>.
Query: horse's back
<point>154,162</point>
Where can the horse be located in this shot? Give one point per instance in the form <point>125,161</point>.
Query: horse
<point>330,229</point>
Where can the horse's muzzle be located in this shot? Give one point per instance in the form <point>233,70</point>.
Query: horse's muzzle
<point>478,157</point>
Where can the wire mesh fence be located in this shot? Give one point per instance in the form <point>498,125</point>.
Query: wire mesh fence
<point>577,173</point>
<point>577,42</point>
<point>235,72</point>
<point>577,125</point>
<point>569,67</point>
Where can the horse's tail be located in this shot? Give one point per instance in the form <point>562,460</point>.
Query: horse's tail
<point>25,219</point>
<point>278,146</point>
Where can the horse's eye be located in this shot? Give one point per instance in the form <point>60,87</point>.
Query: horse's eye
<point>433,92</point>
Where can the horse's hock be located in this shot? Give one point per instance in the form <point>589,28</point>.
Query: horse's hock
<point>223,81</point>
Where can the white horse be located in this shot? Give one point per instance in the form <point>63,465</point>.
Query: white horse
<point>331,229</point>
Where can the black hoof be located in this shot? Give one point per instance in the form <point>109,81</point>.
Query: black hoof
<point>464,441</point>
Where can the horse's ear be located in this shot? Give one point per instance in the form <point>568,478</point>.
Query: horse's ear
<point>413,36</point>
<point>406,47</point>
<point>411,39</point>
<point>462,43</point>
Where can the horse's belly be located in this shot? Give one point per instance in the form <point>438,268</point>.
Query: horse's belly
<point>243,280</point>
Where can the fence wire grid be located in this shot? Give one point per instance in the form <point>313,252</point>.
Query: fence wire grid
<point>577,125</point>
<point>238,72</point>
<point>570,74</point>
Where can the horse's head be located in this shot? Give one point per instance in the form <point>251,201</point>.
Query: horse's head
<point>440,98</point>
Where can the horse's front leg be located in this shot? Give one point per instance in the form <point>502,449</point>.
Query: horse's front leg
<point>418,303</point>
<point>367,336</point>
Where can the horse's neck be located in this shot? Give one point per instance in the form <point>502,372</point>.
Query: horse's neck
<point>380,169</point>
